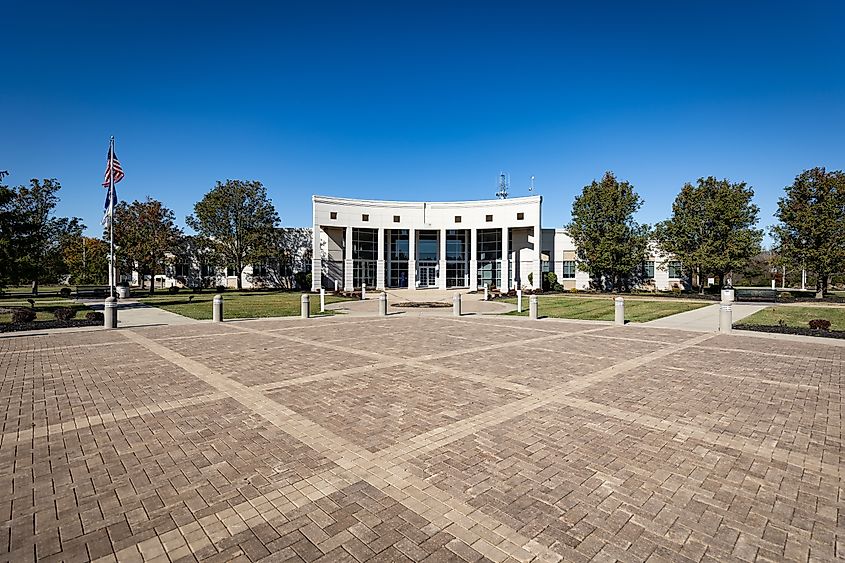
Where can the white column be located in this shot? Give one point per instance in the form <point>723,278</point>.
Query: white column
<point>537,265</point>
<point>506,276</point>
<point>380,261</point>
<point>441,278</point>
<point>347,261</point>
<point>473,259</point>
<point>316,260</point>
<point>412,259</point>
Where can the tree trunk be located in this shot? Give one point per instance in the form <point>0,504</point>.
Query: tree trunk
<point>238,281</point>
<point>700,281</point>
<point>821,286</point>
<point>35,287</point>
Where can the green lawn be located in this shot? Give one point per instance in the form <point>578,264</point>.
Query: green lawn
<point>236,304</point>
<point>636,310</point>
<point>797,316</point>
<point>44,308</point>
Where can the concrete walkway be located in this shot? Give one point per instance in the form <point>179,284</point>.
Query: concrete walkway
<point>705,319</point>
<point>132,313</point>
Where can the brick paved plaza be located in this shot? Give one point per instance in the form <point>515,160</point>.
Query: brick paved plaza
<point>422,439</point>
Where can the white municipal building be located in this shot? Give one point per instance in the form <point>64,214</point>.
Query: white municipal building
<point>446,245</point>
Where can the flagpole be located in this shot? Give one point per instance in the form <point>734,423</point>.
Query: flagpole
<point>111,219</point>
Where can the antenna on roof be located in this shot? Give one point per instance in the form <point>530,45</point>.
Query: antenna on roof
<point>504,183</point>
<point>531,185</point>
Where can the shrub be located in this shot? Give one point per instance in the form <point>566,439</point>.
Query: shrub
<point>94,316</point>
<point>65,292</point>
<point>220,288</point>
<point>531,278</point>
<point>173,289</point>
<point>676,289</point>
<point>550,280</point>
<point>573,290</point>
<point>23,316</point>
<point>64,314</point>
<point>785,296</point>
<point>819,324</point>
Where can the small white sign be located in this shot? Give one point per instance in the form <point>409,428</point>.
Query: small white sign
<point>711,281</point>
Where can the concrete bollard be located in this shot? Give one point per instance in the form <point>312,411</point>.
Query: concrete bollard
<point>725,317</point>
<point>533,307</point>
<point>110,313</point>
<point>305,306</point>
<point>619,311</point>
<point>486,293</point>
<point>322,300</point>
<point>382,304</point>
<point>518,300</point>
<point>456,305</point>
<point>217,308</point>
<point>363,292</point>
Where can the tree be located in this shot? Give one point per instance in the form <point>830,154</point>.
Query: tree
<point>87,260</point>
<point>712,228</point>
<point>7,229</point>
<point>611,244</point>
<point>239,219</point>
<point>144,232</point>
<point>811,224</point>
<point>288,253</point>
<point>200,255</point>
<point>34,234</point>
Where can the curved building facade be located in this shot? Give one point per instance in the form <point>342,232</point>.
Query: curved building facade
<point>419,245</point>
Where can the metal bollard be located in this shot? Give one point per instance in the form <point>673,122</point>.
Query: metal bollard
<point>486,293</point>
<point>725,317</point>
<point>322,300</point>
<point>217,308</point>
<point>110,313</point>
<point>619,311</point>
<point>456,305</point>
<point>518,300</point>
<point>363,292</point>
<point>382,304</point>
<point>533,307</point>
<point>305,306</point>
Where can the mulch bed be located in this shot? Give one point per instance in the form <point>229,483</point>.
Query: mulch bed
<point>42,325</point>
<point>792,330</point>
<point>424,304</point>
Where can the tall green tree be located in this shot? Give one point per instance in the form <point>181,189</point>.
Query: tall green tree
<point>239,219</point>
<point>86,259</point>
<point>712,228</point>
<point>144,233</point>
<point>34,233</point>
<point>7,229</point>
<point>811,228</point>
<point>611,244</point>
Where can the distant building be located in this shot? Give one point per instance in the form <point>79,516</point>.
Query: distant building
<point>446,245</point>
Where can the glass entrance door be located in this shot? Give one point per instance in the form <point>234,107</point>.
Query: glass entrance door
<point>427,275</point>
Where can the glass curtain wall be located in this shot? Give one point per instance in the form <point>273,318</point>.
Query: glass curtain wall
<point>489,257</point>
<point>364,256</point>
<point>397,258</point>
<point>457,258</point>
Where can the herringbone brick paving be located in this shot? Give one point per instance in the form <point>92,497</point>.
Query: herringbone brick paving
<point>419,439</point>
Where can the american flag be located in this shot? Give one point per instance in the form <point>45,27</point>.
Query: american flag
<point>112,165</point>
<point>118,170</point>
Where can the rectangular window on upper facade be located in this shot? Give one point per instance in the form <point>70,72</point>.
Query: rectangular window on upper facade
<point>569,269</point>
<point>520,216</point>
<point>333,214</point>
<point>675,269</point>
<point>365,217</point>
<point>489,219</point>
<point>182,270</point>
<point>457,218</point>
<point>396,218</point>
<point>648,270</point>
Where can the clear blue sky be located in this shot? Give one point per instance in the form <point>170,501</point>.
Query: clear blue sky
<point>420,100</point>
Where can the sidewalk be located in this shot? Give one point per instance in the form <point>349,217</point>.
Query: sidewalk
<point>471,304</point>
<point>131,313</point>
<point>705,319</point>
